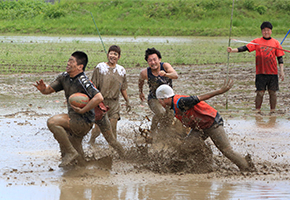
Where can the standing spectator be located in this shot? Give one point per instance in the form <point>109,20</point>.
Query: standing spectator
<point>266,65</point>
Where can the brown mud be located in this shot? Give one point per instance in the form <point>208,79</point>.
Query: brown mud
<point>31,156</point>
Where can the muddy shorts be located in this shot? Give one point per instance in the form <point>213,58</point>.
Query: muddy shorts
<point>79,126</point>
<point>114,109</point>
<point>267,82</point>
<point>104,123</point>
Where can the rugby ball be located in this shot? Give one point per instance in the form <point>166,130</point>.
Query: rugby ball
<point>79,100</point>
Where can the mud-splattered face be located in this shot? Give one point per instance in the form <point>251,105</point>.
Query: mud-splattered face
<point>266,32</point>
<point>113,57</point>
<point>72,67</point>
<point>153,61</point>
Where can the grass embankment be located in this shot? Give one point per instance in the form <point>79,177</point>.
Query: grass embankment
<point>139,17</point>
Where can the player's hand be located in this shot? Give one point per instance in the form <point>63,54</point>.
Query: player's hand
<point>162,73</point>
<point>40,85</point>
<point>142,96</point>
<point>77,109</point>
<point>281,75</point>
<point>229,49</point>
<point>128,106</point>
<point>227,86</point>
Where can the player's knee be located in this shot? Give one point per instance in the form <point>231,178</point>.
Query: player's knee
<point>50,122</point>
<point>272,93</point>
<point>260,93</point>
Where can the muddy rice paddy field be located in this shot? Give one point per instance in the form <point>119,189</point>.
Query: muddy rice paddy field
<point>30,156</point>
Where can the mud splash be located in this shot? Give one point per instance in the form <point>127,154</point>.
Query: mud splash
<point>152,171</point>
<point>29,166</point>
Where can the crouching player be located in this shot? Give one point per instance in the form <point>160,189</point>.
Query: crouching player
<point>203,120</point>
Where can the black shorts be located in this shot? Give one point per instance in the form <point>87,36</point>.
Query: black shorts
<point>267,82</point>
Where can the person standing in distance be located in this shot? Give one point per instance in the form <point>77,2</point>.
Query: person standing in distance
<point>158,73</point>
<point>266,66</point>
<point>110,78</point>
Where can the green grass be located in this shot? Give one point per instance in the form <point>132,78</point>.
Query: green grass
<point>143,17</point>
<point>46,57</point>
<point>33,57</point>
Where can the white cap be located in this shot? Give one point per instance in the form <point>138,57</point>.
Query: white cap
<point>164,91</point>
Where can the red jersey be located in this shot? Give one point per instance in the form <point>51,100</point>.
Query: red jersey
<point>200,116</point>
<point>266,62</point>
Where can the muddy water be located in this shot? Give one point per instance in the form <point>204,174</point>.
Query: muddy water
<point>30,156</point>
<point>173,190</point>
<point>29,159</point>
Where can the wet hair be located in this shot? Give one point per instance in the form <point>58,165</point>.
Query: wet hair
<point>116,49</point>
<point>81,58</point>
<point>151,51</point>
<point>266,25</point>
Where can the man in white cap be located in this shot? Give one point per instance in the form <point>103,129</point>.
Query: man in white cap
<point>203,120</point>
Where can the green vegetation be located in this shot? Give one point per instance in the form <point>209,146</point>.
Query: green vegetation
<point>30,57</point>
<point>19,57</point>
<point>143,17</point>
<point>192,19</point>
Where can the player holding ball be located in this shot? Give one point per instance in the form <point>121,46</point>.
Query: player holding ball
<point>69,129</point>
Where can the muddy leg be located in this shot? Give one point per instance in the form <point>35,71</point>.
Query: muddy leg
<point>158,111</point>
<point>60,134</point>
<point>167,118</point>
<point>259,100</point>
<point>114,127</point>
<point>77,144</point>
<point>106,130</point>
<point>273,100</point>
<point>62,150</point>
<point>95,133</point>
<point>154,123</point>
<point>78,129</point>
<point>220,139</point>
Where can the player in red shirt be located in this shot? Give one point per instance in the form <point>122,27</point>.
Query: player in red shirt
<point>203,120</point>
<point>266,65</point>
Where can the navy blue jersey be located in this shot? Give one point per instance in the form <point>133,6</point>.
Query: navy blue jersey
<point>80,83</point>
<point>155,81</point>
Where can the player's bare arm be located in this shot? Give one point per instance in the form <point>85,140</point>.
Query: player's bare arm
<point>95,101</point>
<point>126,98</point>
<point>231,50</point>
<point>170,72</point>
<point>43,88</point>
<point>226,87</point>
<point>281,71</point>
<point>143,76</point>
